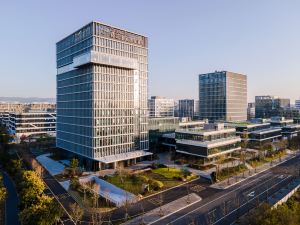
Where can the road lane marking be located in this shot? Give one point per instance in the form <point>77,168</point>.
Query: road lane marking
<point>253,198</point>
<point>268,173</point>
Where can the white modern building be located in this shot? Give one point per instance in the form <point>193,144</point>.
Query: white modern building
<point>208,143</point>
<point>161,107</point>
<point>32,124</point>
<point>102,92</point>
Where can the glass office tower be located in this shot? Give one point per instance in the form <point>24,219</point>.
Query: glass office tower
<point>223,96</point>
<point>102,75</point>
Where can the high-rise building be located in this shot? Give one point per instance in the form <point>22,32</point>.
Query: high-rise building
<point>102,77</point>
<point>186,108</point>
<point>196,109</point>
<point>268,106</point>
<point>297,104</point>
<point>251,111</point>
<point>223,96</point>
<point>160,107</point>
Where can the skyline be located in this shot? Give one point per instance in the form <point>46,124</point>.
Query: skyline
<point>248,38</point>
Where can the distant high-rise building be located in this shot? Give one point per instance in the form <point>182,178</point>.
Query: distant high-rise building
<point>102,79</point>
<point>251,111</point>
<point>186,108</point>
<point>297,104</point>
<point>268,106</point>
<point>196,109</point>
<point>160,107</point>
<point>223,96</point>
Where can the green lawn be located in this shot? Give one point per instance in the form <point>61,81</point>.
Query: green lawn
<point>130,184</point>
<point>169,173</point>
<point>134,183</point>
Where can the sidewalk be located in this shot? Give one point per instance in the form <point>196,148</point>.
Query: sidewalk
<point>165,210</point>
<point>249,173</point>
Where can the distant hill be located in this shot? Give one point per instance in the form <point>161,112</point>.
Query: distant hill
<point>27,100</point>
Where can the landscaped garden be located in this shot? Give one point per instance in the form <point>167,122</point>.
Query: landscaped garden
<point>150,181</point>
<point>270,156</point>
<point>87,195</point>
<point>230,171</point>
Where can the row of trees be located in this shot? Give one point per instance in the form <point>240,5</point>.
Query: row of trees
<point>35,206</point>
<point>285,214</point>
<point>3,193</point>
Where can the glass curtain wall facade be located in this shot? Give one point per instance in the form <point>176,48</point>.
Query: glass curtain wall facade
<point>223,96</point>
<point>186,108</point>
<point>102,81</point>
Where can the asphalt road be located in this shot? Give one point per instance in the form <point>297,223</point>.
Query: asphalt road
<point>228,205</point>
<point>11,203</point>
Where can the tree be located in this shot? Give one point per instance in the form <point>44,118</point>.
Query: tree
<point>76,212</point>
<point>294,143</point>
<point>74,166</point>
<point>32,188</point>
<point>45,211</point>
<point>2,190</point>
<point>218,163</point>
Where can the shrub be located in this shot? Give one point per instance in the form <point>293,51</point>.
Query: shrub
<point>156,185</point>
<point>144,179</point>
<point>185,172</point>
<point>161,166</point>
<point>178,178</point>
<point>74,184</point>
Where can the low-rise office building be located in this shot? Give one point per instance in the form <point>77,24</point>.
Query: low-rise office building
<point>157,128</point>
<point>162,131</point>
<point>4,119</point>
<point>208,143</point>
<point>290,131</point>
<point>32,124</point>
<point>265,135</point>
<point>280,121</point>
<point>256,133</point>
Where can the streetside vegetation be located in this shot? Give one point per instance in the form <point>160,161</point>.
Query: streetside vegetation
<point>286,214</point>
<point>36,208</point>
<point>3,193</point>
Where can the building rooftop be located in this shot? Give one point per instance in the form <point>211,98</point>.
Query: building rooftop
<point>205,132</point>
<point>210,144</point>
<point>267,130</point>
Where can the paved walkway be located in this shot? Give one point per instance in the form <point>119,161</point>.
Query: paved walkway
<point>165,210</point>
<point>251,172</point>
<point>11,203</point>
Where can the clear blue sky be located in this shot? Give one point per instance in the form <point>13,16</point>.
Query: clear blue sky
<point>259,38</point>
